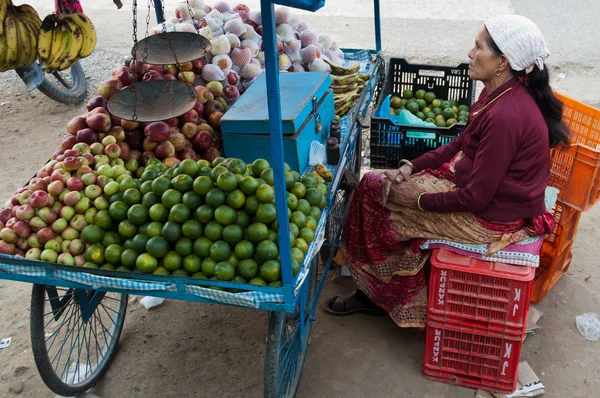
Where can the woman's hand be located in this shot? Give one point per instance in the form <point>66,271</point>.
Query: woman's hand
<point>394,177</point>
<point>405,194</point>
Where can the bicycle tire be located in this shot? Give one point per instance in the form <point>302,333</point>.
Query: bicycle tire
<point>39,339</point>
<point>73,94</point>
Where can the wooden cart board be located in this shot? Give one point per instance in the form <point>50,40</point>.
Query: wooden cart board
<point>306,113</point>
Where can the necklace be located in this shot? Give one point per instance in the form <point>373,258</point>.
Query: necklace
<point>492,101</point>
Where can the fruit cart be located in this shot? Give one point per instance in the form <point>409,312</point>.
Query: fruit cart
<point>77,314</point>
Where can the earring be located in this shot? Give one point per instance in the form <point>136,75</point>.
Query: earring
<point>497,72</point>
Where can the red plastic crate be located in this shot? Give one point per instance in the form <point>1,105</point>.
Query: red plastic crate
<point>475,360</point>
<point>481,295</point>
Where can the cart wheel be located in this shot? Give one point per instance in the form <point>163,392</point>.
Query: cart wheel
<point>74,334</point>
<point>287,344</point>
<point>64,87</point>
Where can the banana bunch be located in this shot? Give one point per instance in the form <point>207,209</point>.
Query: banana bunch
<point>323,172</point>
<point>19,29</point>
<point>347,84</point>
<point>64,39</point>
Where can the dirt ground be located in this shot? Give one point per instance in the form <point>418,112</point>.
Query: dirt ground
<point>187,349</point>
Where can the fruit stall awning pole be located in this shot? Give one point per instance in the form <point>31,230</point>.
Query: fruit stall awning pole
<point>377,25</point>
<point>274,105</point>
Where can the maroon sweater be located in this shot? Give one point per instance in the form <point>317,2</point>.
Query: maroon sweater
<point>506,167</point>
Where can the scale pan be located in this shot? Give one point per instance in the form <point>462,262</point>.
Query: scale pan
<point>187,47</point>
<point>156,100</point>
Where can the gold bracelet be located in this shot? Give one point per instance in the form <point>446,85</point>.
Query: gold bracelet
<point>419,201</point>
<point>408,162</point>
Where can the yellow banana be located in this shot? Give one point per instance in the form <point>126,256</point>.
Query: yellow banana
<point>343,80</point>
<point>45,38</point>
<point>343,71</point>
<point>75,45</point>
<point>26,47</point>
<point>29,11</point>
<point>57,49</point>
<point>12,41</point>
<point>88,31</point>
<point>323,172</point>
<point>3,11</point>
<point>34,30</point>
<point>3,51</point>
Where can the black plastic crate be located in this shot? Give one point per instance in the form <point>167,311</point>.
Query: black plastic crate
<point>391,142</point>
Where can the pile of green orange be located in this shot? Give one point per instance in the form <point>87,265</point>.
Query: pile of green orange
<point>209,221</point>
<point>425,106</point>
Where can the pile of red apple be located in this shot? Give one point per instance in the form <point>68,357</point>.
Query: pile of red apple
<point>43,219</point>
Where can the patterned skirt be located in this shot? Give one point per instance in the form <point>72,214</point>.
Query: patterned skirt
<point>380,245</point>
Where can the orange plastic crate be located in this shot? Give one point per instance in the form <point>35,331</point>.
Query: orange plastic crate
<point>575,169</point>
<point>555,256</point>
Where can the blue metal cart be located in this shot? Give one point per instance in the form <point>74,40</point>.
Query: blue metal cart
<point>77,314</point>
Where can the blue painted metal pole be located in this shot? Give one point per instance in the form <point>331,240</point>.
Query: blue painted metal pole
<point>377,25</point>
<point>160,13</point>
<point>274,104</point>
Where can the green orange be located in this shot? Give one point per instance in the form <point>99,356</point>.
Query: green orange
<point>204,214</point>
<point>233,234</point>
<point>215,198</point>
<point>171,197</point>
<point>192,263</point>
<point>146,263</point>
<point>247,269</point>
<point>202,185</point>
<point>220,251</point>
<point>202,246</point>
<point>172,261</point>
<point>225,215</point>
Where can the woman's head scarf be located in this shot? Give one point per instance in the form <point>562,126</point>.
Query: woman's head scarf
<point>520,40</point>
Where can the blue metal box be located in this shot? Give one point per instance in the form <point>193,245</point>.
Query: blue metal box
<point>306,113</point>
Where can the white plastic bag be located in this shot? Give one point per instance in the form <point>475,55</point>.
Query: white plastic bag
<point>317,153</point>
<point>588,325</point>
<point>150,302</point>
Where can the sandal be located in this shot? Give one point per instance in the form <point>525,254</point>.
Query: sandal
<point>350,305</point>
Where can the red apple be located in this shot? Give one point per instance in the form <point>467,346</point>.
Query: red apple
<point>72,163</point>
<point>125,75</point>
<point>37,184</point>
<point>211,154</point>
<point>186,153</point>
<point>76,124</point>
<point>146,156</point>
<point>215,119</point>
<point>164,150</point>
<point>135,154</point>
<point>168,76</point>
<point>24,197</point>
<point>68,142</point>
<point>124,150</point>
<point>198,64</point>
<point>71,152</point>
<point>231,92</point>
<point>25,212</point>
<point>96,102</point>
<point>75,184</point>
<point>178,140</point>
<point>171,161</point>
<point>118,132</point>
<point>113,151</point>
<point>186,66</point>
<point>158,131</point>
<point>8,235</point>
<point>149,145</point>
<point>202,140</point>
<point>190,117</point>
<point>211,107</point>
<point>110,87</point>
<point>173,122</point>
<point>205,126</point>
<point>7,248</point>
<point>138,67</point>
<point>99,123</point>
<point>22,229</point>
<point>72,198</point>
<point>39,199</point>
<point>134,139</point>
<point>48,215</point>
<point>87,136</point>
<point>187,77</point>
<point>152,75</point>
<point>199,108</point>
<point>171,69</point>
<point>232,78</point>
<point>5,215</point>
<point>45,234</point>
<point>97,111</point>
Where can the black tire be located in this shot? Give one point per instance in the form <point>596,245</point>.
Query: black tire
<point>42,333</point>
<point>65,92</point>
<point>279,323</point>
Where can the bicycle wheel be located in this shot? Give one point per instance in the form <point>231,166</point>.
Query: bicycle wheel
<point>287,344</point>
<point>64,88</point>
<point>73,342</point>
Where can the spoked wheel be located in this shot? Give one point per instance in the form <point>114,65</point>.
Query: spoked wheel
<point>68,87</point>
<point>74,334</point>
<point>287,344</point>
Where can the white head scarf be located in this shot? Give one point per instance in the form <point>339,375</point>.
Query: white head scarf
<point>520,40</point>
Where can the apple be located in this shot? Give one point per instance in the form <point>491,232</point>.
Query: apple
<point>75,184</point>
<point>7,248</point>
<point>76,124</point>
<point>223,103</point>
<point>39,199</point>
<point>189,130</point>
<point>36,223</point>
<point>211,107</point>
<point>71,198</point>
<point>232,78</point>
<point>146,156</point>
<point>186,66</point>
<point>111,188</point>
<point>25,197</point>
<point>157,131</point>
<point>25,212</point>
<point>215,119</point>
<point>48,215</point>
<point>124,74</point>
<point>187,77</point>
<point>118,132</point>
<point>22,244</point>
<point>78,222</point>
<point>90,160</point>
<point>97,148</point>
<point>113,151</point>
<point>97,111</point>
<point>33,241</point>
<point>102,181</point>
<point>69,233</point>
<point>129,124</point>
<point>79,260</point>
<point>164,150</point>
<point>101,160</point>
<point>152,75</point>
<point>59,225</point>
<point>11,222</point>
<point>76,247</point>
<point>45,234</point>
<point>5,215</point>
<point>8,235</point>
<point>37,184</point>
<point>34,253</point>
<point>101,203</point>
<point>109,139</point>
<point>83,204</point>
<point>56,187</point>
<point>60,175</point>
<point>186,153</point>
<point>42,173</point>
<point>202,140</point>
<point>66,259</point>
<point>71,163</point>
<point>215,87</point>
<point>99,122</point>
<point>204,95</point>
<point>198,64</point>
<point>68,142</point>
<point>22,229</point>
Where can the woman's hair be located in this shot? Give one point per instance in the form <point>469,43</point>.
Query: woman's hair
<point>538,85</point>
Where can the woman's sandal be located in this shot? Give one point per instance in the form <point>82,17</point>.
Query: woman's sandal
<point>350,305</point>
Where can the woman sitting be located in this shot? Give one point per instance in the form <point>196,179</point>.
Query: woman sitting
<point>486,186</point>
